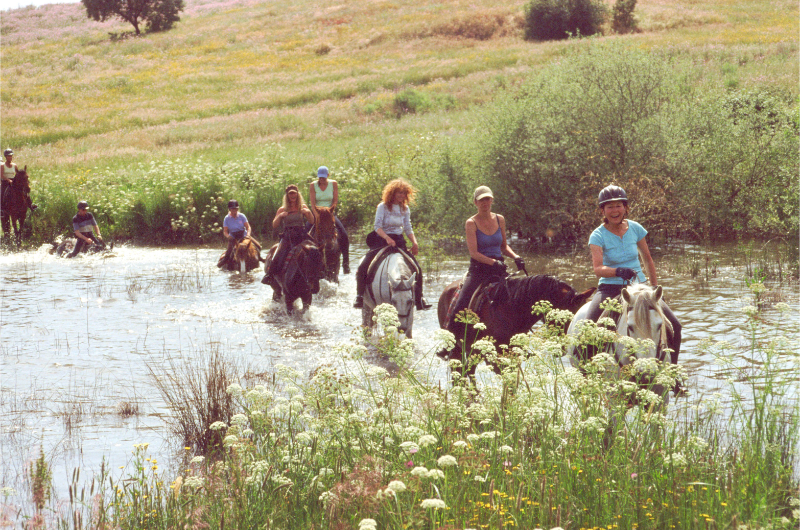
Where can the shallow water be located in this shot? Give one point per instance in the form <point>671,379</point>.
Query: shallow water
<point>78,335</point>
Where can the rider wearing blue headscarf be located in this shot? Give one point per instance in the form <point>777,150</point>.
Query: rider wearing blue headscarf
<point>616,246</point>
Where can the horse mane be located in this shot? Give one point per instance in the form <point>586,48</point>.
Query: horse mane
<point>326,226</point>
<point>643,301</point>
<point>21,180</point>
<point>530,289</point>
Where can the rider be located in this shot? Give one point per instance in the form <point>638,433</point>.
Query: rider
<point>324,193</point>
<point>486,241</point>
<point>616,246</point>
<point>7,172</point>
<point>392,219</point>
<point>235,227</point>
<point>291,220</point>
<point>84,226</point>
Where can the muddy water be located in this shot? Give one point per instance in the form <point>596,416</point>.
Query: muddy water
<point>78,335</point>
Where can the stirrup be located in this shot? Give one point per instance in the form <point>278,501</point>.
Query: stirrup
<point>359,302</point>
<point>422,305</point>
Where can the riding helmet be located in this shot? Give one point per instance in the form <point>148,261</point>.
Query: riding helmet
<point>611,193</point>
<point>233,203</point>
<point>83,205</point>
<point>8,152</point>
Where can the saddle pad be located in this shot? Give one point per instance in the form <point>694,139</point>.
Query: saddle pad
<point>380,257</point>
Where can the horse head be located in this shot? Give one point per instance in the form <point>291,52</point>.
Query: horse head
<point>246,255</point>
<point>21,180</point>
<point>311,265</point>
<point>642,318</point>
<point>401,290</point>
<point>325,230</point>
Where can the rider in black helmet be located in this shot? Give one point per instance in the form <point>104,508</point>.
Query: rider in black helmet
<point>7,172</point>
<point>616,246</point>
<point>84,226</point>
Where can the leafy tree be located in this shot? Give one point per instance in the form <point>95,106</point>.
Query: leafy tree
<point>558,19</point>
<point>623,20</point>
<point>159,15</point>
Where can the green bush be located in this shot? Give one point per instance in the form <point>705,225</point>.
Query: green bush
<point>623,20</point>
<point>558,19</point>
<point>411,101</point>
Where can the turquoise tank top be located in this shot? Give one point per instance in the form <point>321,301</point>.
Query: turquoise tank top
<point>324,198</point>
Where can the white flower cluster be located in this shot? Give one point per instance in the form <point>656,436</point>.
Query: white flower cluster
<point>675,460</point>
<point>368,524</point>
<point>433,504</point>
<point>447,461</point>
<point>193,482</point>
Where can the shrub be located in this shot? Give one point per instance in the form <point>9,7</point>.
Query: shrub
<point>411,101</point>
<point>623,20</point>
<point>558,19</point>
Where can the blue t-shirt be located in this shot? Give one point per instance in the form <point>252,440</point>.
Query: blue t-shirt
<point>235,224</point>
<point>620,251</point>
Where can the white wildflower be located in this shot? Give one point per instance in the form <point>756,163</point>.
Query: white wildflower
<point>447,460</point>
<point>197,460</point>
<point>420,471</point>
<point>434,504</point>
<point>397,486</point>
<point>218,426</point>
<point>427,439</point>
<point>436,474</point>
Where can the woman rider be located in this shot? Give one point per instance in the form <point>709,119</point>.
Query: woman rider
<point>615,246</point>
<point>392,219</point>
<point>290,219</point>
<point>486,242</point>
<point>235,227</point>
<point>324,193</point>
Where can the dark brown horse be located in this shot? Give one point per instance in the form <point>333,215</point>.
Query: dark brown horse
<point>302,270</point>
<point>246,256</point>
<point>17,201</point>
<point>511,313</point>
<point>327,239</point>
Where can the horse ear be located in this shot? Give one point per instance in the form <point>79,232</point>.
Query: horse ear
<point>658,293</point>
<point>626,295</point>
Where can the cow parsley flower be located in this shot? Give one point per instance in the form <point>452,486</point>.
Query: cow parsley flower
<point>420,471</point>
<point>447,461</point>
<point>397,486</point>
<point>427,439</point>
<point>433,504</point>
<point>368,524</point>
<point>218,426</point>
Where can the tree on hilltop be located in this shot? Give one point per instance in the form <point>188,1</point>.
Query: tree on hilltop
<point>159,15</point>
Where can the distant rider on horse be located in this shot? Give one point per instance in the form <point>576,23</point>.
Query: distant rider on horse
<point>84,226</point>
<point>235,227</point>
<point>290,220</point>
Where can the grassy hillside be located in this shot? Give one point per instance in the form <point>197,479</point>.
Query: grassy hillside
<point>241,73</point>
<point>328,84</point>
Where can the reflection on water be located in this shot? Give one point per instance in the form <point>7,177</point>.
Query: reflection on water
<point>77,336</point>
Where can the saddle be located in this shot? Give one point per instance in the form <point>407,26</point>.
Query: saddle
<point>382,254</point>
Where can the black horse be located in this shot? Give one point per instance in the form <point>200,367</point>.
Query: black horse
<point>16,202</point>
<point>509,312</point>
<point>300,275</point>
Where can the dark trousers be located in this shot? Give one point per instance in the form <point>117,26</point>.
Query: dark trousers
<point>605,290</point>
<point>476,274</point>
<point>290,238</point>
<point>81,244</point>
<point>363,267</point>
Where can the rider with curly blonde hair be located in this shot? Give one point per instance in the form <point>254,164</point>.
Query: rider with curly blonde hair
<point>392,220</point>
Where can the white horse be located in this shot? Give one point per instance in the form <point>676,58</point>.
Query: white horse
<point>641,319</point>
<point>393,284</point>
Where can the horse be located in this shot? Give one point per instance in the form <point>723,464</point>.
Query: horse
<point>246,256</point>
<point>326,237</point>
<point>18,201</point>
<point>641,317</point>
<point>393,282</point>
<point>302,271</point>
<point>66,246</point>
<point>510,314</point>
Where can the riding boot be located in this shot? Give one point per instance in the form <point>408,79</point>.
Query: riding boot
<point>360,287</point>
<point>346,259</point>
<point>421,303</point>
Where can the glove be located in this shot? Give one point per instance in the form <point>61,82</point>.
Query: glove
<point>520,263</point>
<point>625,273</point>
<point>499,268</point>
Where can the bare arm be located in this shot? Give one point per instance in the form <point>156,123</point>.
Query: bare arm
<point>312,196</point>
<point>600,270</point>
<point>81,236</point>
<point>281,213</point>
<point>247,229</point>
<point>505,248</point>
<point>335,200</point>
<point>226,232</point>
<point>647,259</point>
<point>308,214</point>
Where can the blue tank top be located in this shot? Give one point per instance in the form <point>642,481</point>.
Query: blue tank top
<point>489,245</point>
